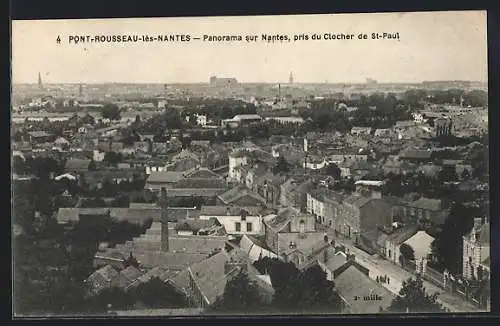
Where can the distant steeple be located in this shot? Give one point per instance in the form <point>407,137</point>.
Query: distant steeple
<point>40,85</point>
<point>290,79</point>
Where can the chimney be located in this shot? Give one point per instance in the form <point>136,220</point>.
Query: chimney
<point>478,221</point>
<point>164,220</point>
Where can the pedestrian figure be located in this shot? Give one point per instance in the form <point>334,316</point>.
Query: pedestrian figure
<point>388,280</point>
<point>377,279</point>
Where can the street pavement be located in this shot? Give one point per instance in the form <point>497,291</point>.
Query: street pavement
<point>381,267</point>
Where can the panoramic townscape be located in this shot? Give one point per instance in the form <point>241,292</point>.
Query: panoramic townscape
<point>226,198</point>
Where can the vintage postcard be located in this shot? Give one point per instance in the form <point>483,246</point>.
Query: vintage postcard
<point>260,165</point>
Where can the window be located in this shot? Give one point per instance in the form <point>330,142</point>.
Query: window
<point>420,213</point>
<point>249,227</point>
<point>238,227</point>
<point>302,226</point>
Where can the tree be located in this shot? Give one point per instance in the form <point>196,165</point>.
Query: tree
<point>112,158</point>
<point>407,253</point>
<point>158,294</point>
<point>240,295</point>
<point>448,243</point>
<point>111,111</point>
<point>333,170</point>
<point>297,291</point>
<point>281,166</point>
<point>414,298</point>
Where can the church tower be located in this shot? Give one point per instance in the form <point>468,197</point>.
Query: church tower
<point>40,85</point>
<point>164,220</point>
<point>290,79</point>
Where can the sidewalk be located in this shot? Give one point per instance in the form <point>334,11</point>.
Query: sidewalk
<point>380,267</point>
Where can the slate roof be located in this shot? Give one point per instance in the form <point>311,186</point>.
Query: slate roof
<point>205,183</point>
<point>131,274</point>
<point>37,134</point>
<point>416,154</point>
<point>401,235</point>
<point>307,245</point>
<point>280,220</point>
<point>71,214</point>
<point>115,146</point>
<point>237,192</point>
<point>194,192</point>
<point>165,177</point>
<point>77,164</point>
<point>334,260</point>
<point>421,243</point>
<point>405,124</point>
<point>201,173</point>
<point>222,210</point>
<point>427,204</point>
<point>354,283</point>
<point>211,277</point>
<point>194,225</point>
<point>358,201</point>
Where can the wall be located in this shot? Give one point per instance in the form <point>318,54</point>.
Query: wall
<point>229,223</point>
<point>309,221</point>
<point>234,162</point>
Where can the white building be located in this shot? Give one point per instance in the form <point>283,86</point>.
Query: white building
<point>476,250</point>
<point>314,164</point>
<point>98,156</point>
<point>236,158</point>
<point>201,119</point>
<point>421,245</point>
<point>235,220</point>
<point>418,117</point>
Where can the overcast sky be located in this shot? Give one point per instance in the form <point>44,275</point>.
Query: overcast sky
<point>432,46</point>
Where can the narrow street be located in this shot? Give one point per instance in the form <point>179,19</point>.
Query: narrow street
<point>381,267</point>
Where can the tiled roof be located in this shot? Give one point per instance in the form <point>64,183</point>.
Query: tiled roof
<point>353,283</point>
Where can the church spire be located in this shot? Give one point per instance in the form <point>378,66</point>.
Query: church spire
<point>40,84</point>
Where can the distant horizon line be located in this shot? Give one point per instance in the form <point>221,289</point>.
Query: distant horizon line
<point>256,82</point>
